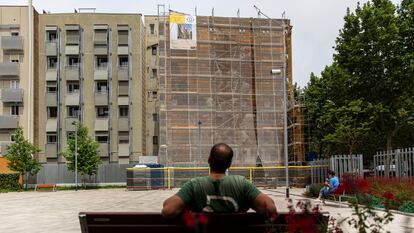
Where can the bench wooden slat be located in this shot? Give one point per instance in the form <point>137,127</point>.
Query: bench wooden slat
<point>104,222</point>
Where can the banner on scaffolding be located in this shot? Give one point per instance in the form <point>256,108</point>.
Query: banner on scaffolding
<point>183,31</point>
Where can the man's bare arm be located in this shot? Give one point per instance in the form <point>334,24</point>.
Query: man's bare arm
<point>264,205</point>
<point>172,207</point>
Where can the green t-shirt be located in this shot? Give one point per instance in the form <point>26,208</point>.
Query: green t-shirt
<point>228,194</point>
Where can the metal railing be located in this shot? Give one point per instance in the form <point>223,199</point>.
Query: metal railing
<point>175,177</point>
<point>398,163</point>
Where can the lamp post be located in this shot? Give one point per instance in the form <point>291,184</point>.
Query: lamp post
<point>76,154</point>
<point>199,142</point>
<point>285,134</point>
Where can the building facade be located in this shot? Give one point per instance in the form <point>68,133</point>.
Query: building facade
<point>152,45</point>
<point>91,70</point>
<point>18,72</point>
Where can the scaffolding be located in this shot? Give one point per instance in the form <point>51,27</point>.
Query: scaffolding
<point>223,91</point>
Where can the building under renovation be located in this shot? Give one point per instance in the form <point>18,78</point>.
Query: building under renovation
<point>216,85</point>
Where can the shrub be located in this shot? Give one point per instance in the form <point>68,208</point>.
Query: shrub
<point>407,206</point>
<point>314,190</point>
<point>9,182</point>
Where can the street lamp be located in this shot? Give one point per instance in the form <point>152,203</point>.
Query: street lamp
<point>76,154</point>
<point>285,137</point>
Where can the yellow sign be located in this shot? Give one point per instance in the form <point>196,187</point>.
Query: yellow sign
<point>177,18</point>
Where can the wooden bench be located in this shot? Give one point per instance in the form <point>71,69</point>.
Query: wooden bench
<point>128,222</point>
<point>45,186</point>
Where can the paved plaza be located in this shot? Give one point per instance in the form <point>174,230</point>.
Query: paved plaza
<point>58,211</point>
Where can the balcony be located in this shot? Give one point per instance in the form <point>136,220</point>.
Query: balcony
<point>12,43</point>
<point>72,72</point>
<point>72,99</point>
<point>9,69</point>
<point>101,124</point>
<point>3,147</point>
<point>9,122</point>
<point>51,151</point>
<point>101,98</point>
<point>123,124</point>
<point>72,49</point>
<point>123,150</point>
<point>51,99</point>
<point>103,149</point>
<point>12,95</point>
<point>100,50</point>
<point>122,50</point>
<point>51,74</point>
<point>122,73</point>
<point>101,72</point>
<point>51,48</point>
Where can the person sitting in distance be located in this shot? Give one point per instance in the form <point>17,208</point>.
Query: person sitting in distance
<point>331,185</point>
<point>217,192</point>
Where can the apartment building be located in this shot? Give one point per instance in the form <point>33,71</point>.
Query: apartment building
<point>18,72</point>
<point>92,70</point>
<point>151,25</point>
<point>216,84</point>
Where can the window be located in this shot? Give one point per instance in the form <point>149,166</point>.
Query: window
<point>101,136</point>
<point>14,33</point>
<point>154,50</point>
<point>72,60</point>
<point>123,88</point>
<point>73,87</point>
<point>154,94</point>
<point>72,37</point>
<point>51,112</point>
<point>51,138</point>
<point>14,84</point>
<point>122,37</point>
<point>51,62</point>
<point>102,111</point>
<point>101,61</point>
<point>51,36</point>
<point>154,140</point>
<point>123,111</point>
<point>123,137</point>
<point>14,110</point>
<point>152,29</point>
<point>123,61</point>
<point>155,117</point>
<point>14,60</point>
<point>72,111</point>
<point>51,87</point>
<point>154,73</point>
<point>101,86</point>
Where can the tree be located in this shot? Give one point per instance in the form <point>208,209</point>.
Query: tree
<point>88,154</point>
<point>21,156</point>
<point>373,68</point>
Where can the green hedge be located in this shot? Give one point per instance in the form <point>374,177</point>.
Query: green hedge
<point>9,182</point>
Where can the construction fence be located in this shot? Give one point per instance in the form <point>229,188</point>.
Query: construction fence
<point>175,177</point>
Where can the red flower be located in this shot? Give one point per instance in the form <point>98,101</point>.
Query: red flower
<point>188,218</point>
<point>362,185</point>
<point>388,196</point>
<point>203,219</point>
<point>304,224</point>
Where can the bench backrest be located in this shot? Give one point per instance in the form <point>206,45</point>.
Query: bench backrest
<point>92,222</point>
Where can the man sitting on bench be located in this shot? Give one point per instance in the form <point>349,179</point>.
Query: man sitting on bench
<point>331,185</point>
<point>217,192</point>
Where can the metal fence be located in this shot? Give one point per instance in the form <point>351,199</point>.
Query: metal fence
<point>395,163</point>
<point>59,174</point>
<point>340,164</point>
<point>174,177</point>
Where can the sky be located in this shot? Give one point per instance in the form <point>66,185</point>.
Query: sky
<point>316,23</point>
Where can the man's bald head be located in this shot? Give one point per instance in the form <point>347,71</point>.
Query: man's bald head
<point>220,158</point>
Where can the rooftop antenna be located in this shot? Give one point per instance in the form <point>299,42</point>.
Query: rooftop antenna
<point>195,11</point>
<point>259,12</point>
<point>238,13</point>
<point>212,12</point>
<point>44,12</point>
<point>283,15</point>
<point>74,10</point>
<point>87,9</point>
